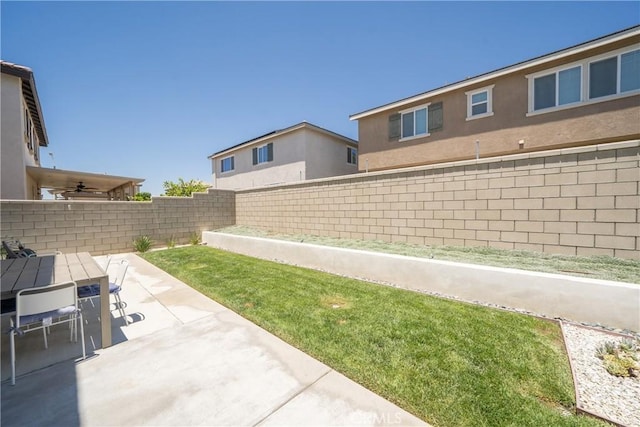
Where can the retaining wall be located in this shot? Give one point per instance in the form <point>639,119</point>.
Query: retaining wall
<point>580,201</point>
<point>579,299</point>
<point>101,227</point>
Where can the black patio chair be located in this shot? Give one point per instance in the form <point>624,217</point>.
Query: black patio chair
<point>15,249</point>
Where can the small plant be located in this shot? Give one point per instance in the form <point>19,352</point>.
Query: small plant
<point>194,239</point>
<point>171,242</point>
<point>142,243</point>
<point>621,359</point>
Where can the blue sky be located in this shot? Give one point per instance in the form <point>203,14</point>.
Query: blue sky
<point>150,89</point>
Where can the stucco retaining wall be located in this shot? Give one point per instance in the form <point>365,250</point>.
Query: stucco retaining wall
<point>101,227</point>
<point>580,299</point>
<point>578,201</point>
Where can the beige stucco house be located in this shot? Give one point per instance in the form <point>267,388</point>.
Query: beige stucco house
<point>300,152</point>
<point>583,95</point>
<point>23,133</point>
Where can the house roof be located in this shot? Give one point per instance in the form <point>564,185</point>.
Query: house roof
<point>30,95</point>
<point>611,38</point>
<point>280,132</point>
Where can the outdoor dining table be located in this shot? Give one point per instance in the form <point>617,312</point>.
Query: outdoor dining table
<point>24,273</point>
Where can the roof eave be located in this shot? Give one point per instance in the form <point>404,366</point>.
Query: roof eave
<point>281,132</point>
<point>612,38</point>
<point>29,86</point>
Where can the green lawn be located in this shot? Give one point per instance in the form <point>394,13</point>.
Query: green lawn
<point>449,363</point>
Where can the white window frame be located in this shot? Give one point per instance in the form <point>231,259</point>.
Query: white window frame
<point>584,82</point>
<point>556,73</point>
<point>351,156</point>
<point>618,57</point>
<point>221,164</point>
<point>413,110</point>
<point>489,102</point>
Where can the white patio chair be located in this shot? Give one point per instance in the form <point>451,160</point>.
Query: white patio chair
<point>42,307</point>
<point>105,266</point>
<point>93,291</point>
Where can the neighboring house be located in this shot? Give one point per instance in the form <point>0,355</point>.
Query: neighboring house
<point>23,133</point>
<point>300,152</point>
<point>586,94</point>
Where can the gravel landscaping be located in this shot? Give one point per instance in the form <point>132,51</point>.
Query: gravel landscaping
<point>615,398</point>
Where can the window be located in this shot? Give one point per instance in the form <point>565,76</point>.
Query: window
<point>414,122</point>
<point>480,103</point>
<point>29,130</point>
<point>352,156</point>
<point>226,164</point>
<point>603,77</point>
<point>614,75</point>
<point>263,154</point>
<point>630,71</point>
<point>594,79</point>
<point>558,88</point>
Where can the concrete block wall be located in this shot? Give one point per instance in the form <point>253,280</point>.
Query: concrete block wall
<point>578,201</point>
<point>102,227</point>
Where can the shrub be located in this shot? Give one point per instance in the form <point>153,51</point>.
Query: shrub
<point>171,242</point>
<point>194,239</point>
<point>142,197</point>
<point>142,243</point>
<point>620,359</point>
<point>184,188</point>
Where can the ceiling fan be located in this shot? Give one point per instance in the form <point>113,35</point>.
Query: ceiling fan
<point>81,187</point>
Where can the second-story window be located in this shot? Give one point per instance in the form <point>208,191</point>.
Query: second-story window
<point>595,79</point>
<point>263,154</point>
<point>414,122</point>
<point>559,88</point>
<point>480,103</point>
<point>614,75</point>
<point>226,164</point>
<point>352,156</point>
<point>29,131</point>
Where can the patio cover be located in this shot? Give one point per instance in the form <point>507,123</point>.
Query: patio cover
<point>93,185</point>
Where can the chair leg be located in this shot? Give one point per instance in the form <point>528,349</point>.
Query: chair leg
<point>12,344</point>
<point>84,353</point>
<point>44,334</point>
<point>121,309</point>
<point>73,326</point>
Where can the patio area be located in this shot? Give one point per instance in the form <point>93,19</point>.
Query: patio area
<point>184,360</point>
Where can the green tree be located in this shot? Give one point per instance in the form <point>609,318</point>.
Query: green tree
<point>142,197</point>
<point>184,189</point>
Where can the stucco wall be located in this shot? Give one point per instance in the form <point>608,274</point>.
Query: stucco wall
<point>287,166</point>
<point>110,227</point>
<point>303,153</point>
<point>13,183</point>
<point>326,157</point>
<point>577,201</point>
<point>592,122</point>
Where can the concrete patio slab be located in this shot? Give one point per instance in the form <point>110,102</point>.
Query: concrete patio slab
<point>186,360</point>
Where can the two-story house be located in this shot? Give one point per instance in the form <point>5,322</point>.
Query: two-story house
<point>300,152</point>
<point>582,95</point>
<point>23,133</point>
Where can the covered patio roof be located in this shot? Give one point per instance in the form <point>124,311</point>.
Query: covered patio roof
<point>75,184</point>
